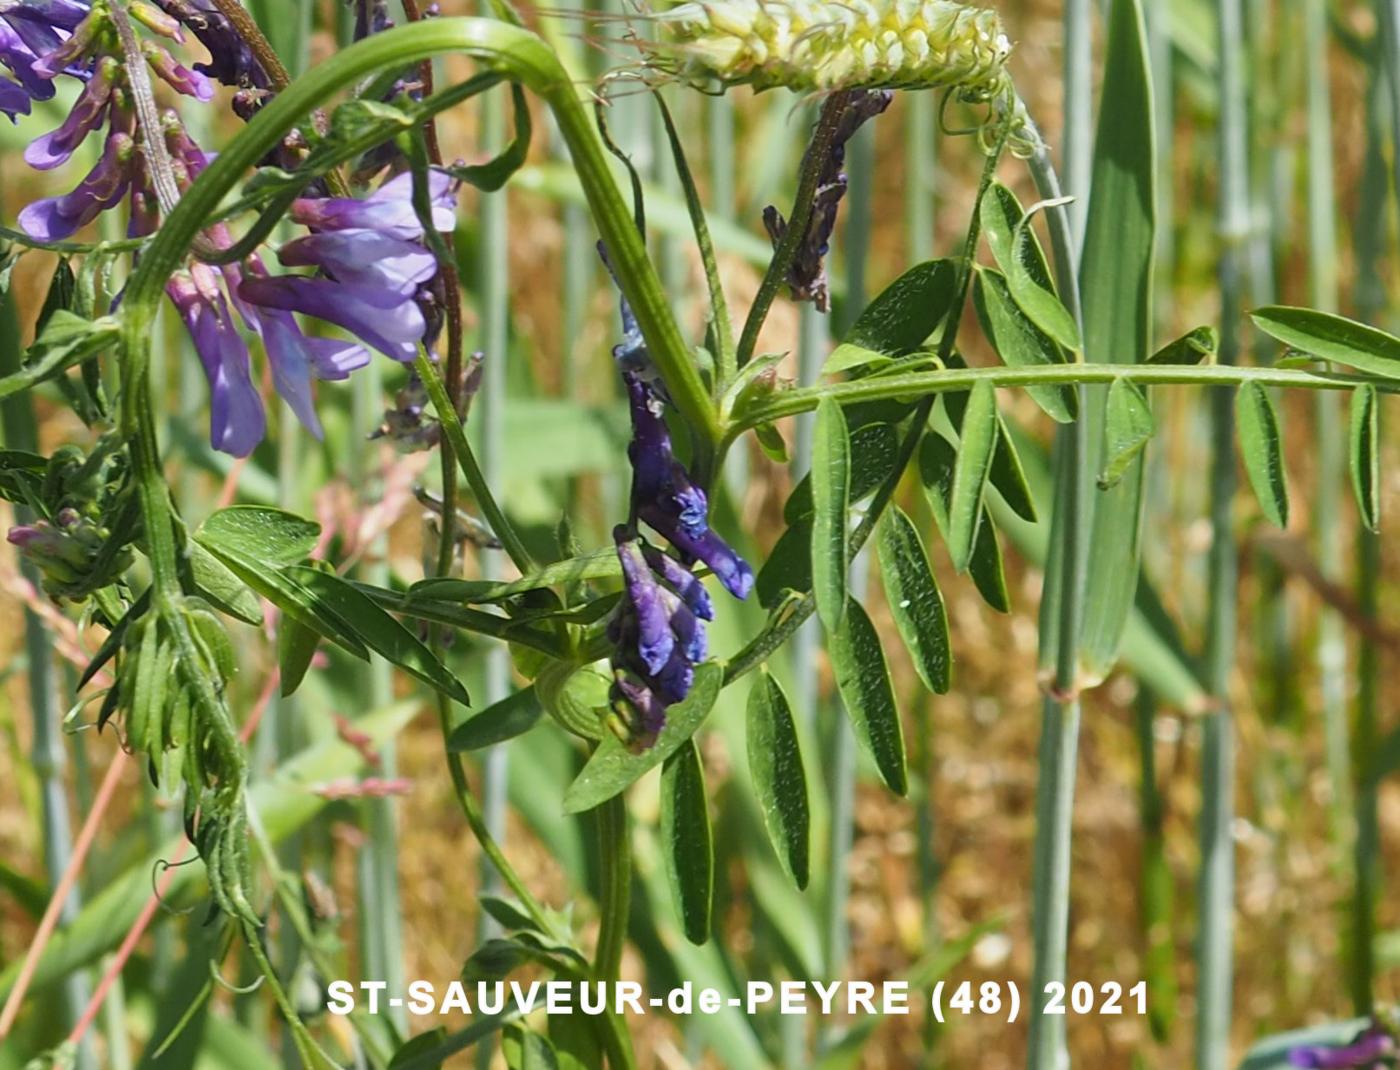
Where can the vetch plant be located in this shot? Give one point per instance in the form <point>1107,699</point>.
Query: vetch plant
<point>326,234</point>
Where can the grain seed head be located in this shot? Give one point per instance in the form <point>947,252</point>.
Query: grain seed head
<point>819,46</point>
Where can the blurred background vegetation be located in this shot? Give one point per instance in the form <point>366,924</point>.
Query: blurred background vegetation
<point>934,885</point>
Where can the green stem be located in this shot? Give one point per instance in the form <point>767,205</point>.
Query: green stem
<point>615,857</point>
<point>1217,879</point>
<point>518,55</point>
<point>466,460</point>
<point>1061,616</point>
<point>915,384</point>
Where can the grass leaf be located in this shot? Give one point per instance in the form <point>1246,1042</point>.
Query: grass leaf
<point>1116,283</point>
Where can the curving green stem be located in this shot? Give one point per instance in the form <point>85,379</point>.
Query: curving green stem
<point>515,53</point>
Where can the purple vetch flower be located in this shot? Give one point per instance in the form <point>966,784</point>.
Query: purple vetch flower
<point>1374,1044</point>
<point>654,639</point>
<point>14,101</point>
<point>54,148</point>
<point>389,321</point>
<point>657,636</point>
<point>807,276</point>
<point>667,499</point>
<point>388,210</point>
<point>363,257</point>
<point>56,218</point>
<point>236,423</point>
<point>43,25</point>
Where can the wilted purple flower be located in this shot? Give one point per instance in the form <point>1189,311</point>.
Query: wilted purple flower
<point>807,275</point>
<point>231,62</point>
<point>28,32</point>
<point>666,498</point>
<point>1366,1052</point>
<point>55,218</point>
<point>236,421</point>
<point>658,635</point>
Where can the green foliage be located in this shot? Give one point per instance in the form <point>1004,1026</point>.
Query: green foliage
<point>688,847</point>
<point>863,679</point>
<point>831,491</point>
<point>1261,445</point>
<point>779,777</point>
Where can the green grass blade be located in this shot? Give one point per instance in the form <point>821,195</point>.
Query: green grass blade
<point>1116,281</point>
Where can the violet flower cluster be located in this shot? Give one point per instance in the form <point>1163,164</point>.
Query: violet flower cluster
<point>1374,1048</point>
<point>373,275</point>
<point>807,279</point>
<point>658,630</point>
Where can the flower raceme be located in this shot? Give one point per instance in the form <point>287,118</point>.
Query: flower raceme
<point>373,275</point>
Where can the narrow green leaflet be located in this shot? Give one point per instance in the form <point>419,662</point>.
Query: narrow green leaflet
<point>902,317</point>
<point>525,1050</point>
<point>286,594</point>
<point>1019,342</point>
<point>789,564</point>
<point>1115,281</point>
<point>67,339</point>
<point>1127,428</point>
<point>296,646</point>
<point>259,534</point>
<point>613,768</point>
<point>1007,475</point>
<point>936,460</point>
<point>378,630</point>
<point>687,844</point>
<point>863,679</point>
<point>513,716</point>
<point>779,777</point>
<point>974,460</point>
<point>495,173</point>
<point>874,452</point>
<point>1193,348</point>
<point>1365,455</point>
<point>221,587</point>
<point>831,491</point>
<point>596,565</point>
<point>914,598</point>
<point>1035,299</point>
<point>1261,445</point>
<point>1333,338</point>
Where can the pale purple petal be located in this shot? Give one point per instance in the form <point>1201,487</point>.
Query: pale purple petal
<point>14,101</point>
<point>237,422</point>
<point>388,210</point>
<point>55,218</point>
<point>367,257</point>
<point>390,322</point>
